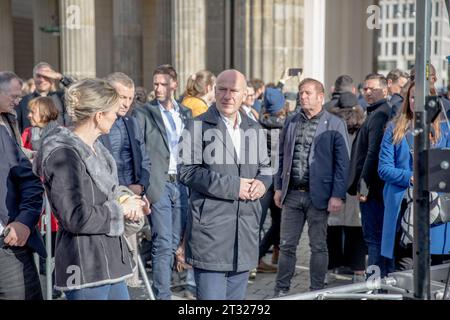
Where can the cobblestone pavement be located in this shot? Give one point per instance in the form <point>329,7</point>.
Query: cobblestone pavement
<point>262,287</point>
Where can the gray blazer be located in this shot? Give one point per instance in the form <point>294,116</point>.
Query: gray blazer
<point>156,144</point>
<point>328,159</point>
<point>222,231</point>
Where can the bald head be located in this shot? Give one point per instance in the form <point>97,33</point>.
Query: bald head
<point>231,88</point>
<point>232,75</point>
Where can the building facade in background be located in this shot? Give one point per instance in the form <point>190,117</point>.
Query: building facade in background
<point>261,38</point>
<point>396,42</point>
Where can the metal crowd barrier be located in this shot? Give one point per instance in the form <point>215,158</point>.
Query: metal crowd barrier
<point>144,277</point>
<point>397,286</point>
<point>46,228</point>
<point>46,225</point>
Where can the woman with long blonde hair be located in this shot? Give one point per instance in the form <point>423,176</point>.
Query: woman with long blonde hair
<point>396,169</point>
<point>403,122</point>
<point>199,94</point>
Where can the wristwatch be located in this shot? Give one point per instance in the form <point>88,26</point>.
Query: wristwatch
<point>65,81</point>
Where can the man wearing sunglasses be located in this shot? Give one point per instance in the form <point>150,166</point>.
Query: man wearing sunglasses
<point>364,180</point>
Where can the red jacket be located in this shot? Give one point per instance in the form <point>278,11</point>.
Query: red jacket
<point>26,138</point>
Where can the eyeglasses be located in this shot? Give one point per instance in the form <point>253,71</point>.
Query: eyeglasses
<point>370,89</point>
<point>16,99</point>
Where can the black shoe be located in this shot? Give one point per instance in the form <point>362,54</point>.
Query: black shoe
<point>56,294</point>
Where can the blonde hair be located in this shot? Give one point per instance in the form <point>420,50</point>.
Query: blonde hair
<point>45,107</point>
<point>197,84</point>
<point>89,96</point>
<point>403,121</point>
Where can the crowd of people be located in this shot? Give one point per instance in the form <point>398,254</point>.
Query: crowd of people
<point>204,171</point>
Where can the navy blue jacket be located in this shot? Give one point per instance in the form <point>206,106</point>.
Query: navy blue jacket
<point>328,159</point>
<point>141,160</point>
<point>396,102</point>
<point>21,191</point>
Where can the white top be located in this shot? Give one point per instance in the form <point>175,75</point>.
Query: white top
<point>172,136</point>
<point>248,112</point>
<point>234,131</point>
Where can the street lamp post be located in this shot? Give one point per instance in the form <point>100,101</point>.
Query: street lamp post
<point>421,146</point>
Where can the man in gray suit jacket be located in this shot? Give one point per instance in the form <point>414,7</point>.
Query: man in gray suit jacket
<point>310,183</point>
<point>226,166</point>
<point>162,122</point>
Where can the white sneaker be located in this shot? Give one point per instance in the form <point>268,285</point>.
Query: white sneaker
<point>252,275</point>
<point>358,278</point>
<point>325,281</point>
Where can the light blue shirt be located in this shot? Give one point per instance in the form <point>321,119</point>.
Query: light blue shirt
<point>173,134</point>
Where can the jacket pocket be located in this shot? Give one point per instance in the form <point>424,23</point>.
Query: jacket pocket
<point>327,179</point>
<point>197,209</point>
<point>106,256</point>
<point>202,215</point>
<point>258,213</point>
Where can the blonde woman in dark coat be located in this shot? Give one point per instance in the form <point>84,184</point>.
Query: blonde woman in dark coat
<point>92,259</point>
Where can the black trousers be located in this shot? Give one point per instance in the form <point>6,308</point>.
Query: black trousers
<point>272,236</point>
<point>19,279</point>
<point>346,247</point>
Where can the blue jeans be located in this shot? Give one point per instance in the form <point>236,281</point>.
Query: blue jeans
<point>372,213</point>
<point>219,285</point>
<point>116,291</point>
<point>190,280</point>
<point>167,218</point>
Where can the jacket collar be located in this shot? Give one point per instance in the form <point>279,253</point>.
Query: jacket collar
<point>104,174</point>
<point>154,109</point>
<point>375,105</point>
<point>212,116</point>
<point>304,116</point>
